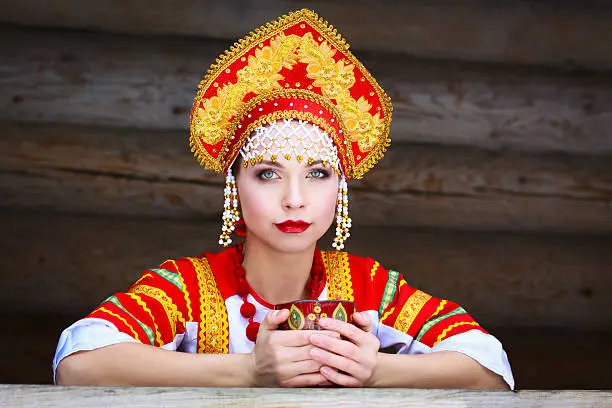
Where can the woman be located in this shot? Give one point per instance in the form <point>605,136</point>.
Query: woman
<point>288,114</point>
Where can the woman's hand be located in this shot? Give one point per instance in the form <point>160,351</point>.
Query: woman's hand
<point>348,362</point>
<point>282,357</point>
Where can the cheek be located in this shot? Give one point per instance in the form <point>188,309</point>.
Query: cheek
<point>327,202</point>
<point>251,202</point>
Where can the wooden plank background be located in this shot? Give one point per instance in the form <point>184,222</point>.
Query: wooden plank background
<point>570,34</point>
<point>107,79</point>
<point>139,172</point>
<point>69,264</point>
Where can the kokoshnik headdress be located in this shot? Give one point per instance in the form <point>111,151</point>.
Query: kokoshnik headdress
<point>296,68</point>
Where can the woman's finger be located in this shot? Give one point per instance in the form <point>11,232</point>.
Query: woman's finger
<point>338,378</point>
<point>273,319</point>
<point>297,338</point>
<point>364,321</point>
<point>347,330</point>
<point>338,346</point>
<point>304,380</point>
<point>296,368</point>
<point>339,362</point>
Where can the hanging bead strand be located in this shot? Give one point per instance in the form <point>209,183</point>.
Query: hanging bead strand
<point>230,210</point>
<point>343,221</point>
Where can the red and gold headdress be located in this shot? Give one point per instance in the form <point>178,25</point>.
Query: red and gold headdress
<point>295,68</point>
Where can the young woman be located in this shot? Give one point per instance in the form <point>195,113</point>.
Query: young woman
<point>288,114</point>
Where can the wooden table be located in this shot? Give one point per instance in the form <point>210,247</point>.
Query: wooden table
<point>53,396</point>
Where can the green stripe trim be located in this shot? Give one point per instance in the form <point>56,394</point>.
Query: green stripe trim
<point>148,331</point>
<point>389,292</point>
<point>171,277</point>
<point>428,325</point>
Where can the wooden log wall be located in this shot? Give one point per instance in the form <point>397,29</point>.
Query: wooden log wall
<point>496,192</point>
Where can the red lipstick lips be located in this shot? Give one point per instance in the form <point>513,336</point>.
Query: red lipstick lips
<point>293,227</point>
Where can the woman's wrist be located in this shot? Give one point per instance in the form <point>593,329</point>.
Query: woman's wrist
<point>251,373</point>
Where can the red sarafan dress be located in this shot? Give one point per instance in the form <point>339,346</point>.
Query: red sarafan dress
<point>192,305</point>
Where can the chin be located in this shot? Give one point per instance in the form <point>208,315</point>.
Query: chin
<point>294,244</point>
<point>290,243</point>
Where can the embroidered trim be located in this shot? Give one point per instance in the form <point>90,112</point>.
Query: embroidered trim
<point>449,328</point>
<point>185,291</point>
<point>437,320</point>
<point>339,276</point>
<point>390,312</point>
<point>373,270</point>
<point>146,309</point>
<point>146,329</point>
<point>389,292</point>
<point>410,311</point>
<point>105,310</point>
<point>214,326</point>
<point>439,309</point>
<point>172,312</point>
<point>146,275</point>
<point>171,277</point>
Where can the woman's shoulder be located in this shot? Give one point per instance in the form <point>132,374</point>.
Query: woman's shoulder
<point>197,268</point>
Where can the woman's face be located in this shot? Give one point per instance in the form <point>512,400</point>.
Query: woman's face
<point>286,204</point>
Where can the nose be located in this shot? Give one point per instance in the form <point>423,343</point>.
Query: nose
<point>293,197</point>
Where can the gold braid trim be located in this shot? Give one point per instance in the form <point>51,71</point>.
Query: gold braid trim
<point>146,309</point>
<point>373,271</point>
<point>172,312</point>
<point>105,310</point>
<point>214,326</point>
<point>185,291</point>
<point>146,275</point>
<point>410,311</point>
<point>439,309</point>
<point>451,327</point>
<point>390,312</point>
<point>338,271</point>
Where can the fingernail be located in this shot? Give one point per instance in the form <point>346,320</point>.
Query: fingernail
<point>324,321</point>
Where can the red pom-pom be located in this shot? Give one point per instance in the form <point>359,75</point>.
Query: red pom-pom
<point>240,228</point>
<point>252,330</point>
<point>243,287</point>
<point>247,310</point>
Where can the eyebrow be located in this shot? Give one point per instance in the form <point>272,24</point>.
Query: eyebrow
<point>271,163</point>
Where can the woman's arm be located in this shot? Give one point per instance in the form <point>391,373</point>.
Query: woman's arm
<point>355,362</point>
<point>141,364</point>
<point>444,369</point>
<point>279,358</point>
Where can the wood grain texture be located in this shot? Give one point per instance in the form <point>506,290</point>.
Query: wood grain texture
<point>68,264</point>
<point>571,34</point>
<point>48,396</point>
<point>98,170</point>
<point>149,83</point>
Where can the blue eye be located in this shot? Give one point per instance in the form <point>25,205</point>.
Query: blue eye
<point>319,173</point>
<point>266,174</point>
